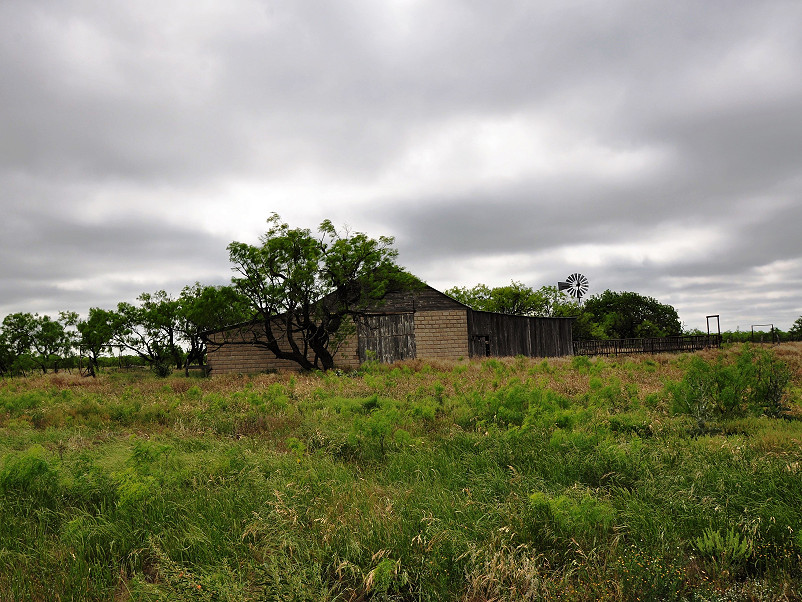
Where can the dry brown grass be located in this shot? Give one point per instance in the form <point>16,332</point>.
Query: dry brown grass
<point>413,379</point>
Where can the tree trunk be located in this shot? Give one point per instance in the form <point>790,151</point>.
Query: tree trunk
<point>319,342</point>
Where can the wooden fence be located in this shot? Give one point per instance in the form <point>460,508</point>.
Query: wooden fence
<point>653,345</point>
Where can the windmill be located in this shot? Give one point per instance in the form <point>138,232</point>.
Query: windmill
<point>576,285</point>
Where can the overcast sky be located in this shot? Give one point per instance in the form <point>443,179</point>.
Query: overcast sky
<point>652,146</point>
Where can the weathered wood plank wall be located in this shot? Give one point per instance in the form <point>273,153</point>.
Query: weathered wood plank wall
<point>504,335</point>
<point>386,338</point>
<point>551,337</point>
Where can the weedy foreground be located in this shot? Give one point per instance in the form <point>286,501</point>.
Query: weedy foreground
<point>673,477</point>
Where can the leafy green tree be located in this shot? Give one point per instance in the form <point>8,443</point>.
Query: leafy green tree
<point>304,288</point>
<point>18,330</point>
<point>161,316</point>
<point>795,332</point>
<point>556,304</point>
<point>516,299</point>
<point>151,330</point>
<point>205,308</point>
<point>626,315</point>
<point>520,300</point>
<point>43,340</point>
<point>51,342</point>
<point>478,297</point>
<point>94,334</point>
<point>7,356</point>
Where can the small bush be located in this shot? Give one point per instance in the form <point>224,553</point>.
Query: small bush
<point>162,369</point>
<point>581,363</point>
<point>577,515</point>
<point>770,379</point>
<point>28,473</point>
<point>728,552</point>
<point>372,431</point>
<point>756,383</point>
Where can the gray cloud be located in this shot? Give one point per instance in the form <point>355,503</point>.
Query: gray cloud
<point>653,145</point>
<point>58,263</point>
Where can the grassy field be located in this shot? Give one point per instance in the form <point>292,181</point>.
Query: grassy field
<point>633,478</point>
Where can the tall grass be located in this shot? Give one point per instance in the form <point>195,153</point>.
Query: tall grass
<point>496,480</point>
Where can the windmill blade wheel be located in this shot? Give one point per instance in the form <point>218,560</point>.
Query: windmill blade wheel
<point>576,284</point>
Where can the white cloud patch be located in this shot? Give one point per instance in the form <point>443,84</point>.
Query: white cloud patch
<point>474,151</point>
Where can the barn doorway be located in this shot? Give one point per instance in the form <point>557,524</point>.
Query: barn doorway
<point>480,345</point>
<point>386,338</point>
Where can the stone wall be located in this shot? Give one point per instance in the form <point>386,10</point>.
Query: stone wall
<point>442,334</point>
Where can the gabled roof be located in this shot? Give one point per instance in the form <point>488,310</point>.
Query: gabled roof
<point>394,302</point>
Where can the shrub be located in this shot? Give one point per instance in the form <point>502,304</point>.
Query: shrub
<point>757,383</point>
<point>373,430</point>
<point>28,473</point>
<point>727,552</point>
<point>580,363</point>
<point>162,368</point>
<point>577,515</point>
<point>770,379</point>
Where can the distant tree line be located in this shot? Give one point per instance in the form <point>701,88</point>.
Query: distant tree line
<point>762,334</point>
<point>305,292</point>
<point>159,331</point>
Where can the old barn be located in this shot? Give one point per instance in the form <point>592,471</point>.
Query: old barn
<point>424,323</point>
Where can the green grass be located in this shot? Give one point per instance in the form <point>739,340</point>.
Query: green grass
<point>505,479</point>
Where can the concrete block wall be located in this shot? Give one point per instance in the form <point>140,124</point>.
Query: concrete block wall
<point>347,355</point>
<point>442,334</point>
<point>439,334</point>
<point>247,359</point>
<point>244,359</point>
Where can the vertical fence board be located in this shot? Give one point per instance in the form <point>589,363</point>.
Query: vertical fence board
<point>519,335</point>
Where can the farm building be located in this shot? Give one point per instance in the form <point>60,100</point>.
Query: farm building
<point>423,323</point>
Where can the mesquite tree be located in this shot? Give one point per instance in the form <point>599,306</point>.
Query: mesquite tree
<point>203,308</point>
<point>40,338</point>
<point>94,334</point>
<point>624,315</point>
<point>151,331</point>
<point>304,288</point>
<point>515,299</point>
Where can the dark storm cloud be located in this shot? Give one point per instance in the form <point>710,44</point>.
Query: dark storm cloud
<point>654,144</point>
